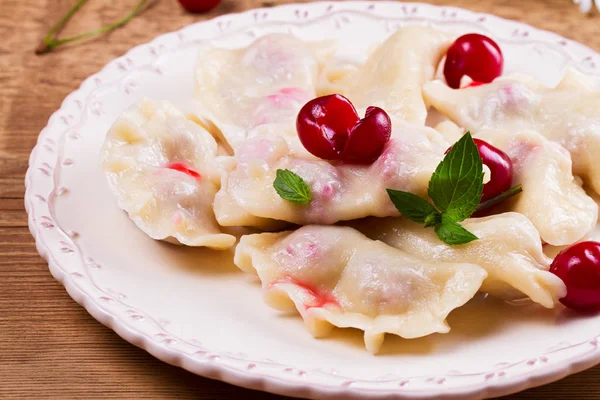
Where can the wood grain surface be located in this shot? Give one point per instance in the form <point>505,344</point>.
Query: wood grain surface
<point>49,346</point>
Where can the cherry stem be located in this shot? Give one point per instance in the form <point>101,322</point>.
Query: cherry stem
<point>500,198</point>
<point>49,42</point>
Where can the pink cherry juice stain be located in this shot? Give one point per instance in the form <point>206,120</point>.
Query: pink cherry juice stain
<point>285,100</point>
<point>515,97</point>
<point>521,152</point>
<point>293,92</point>
<point>287,97</point>
<point>177,218</point>
<point>181,167</point>
<point>387,162</point>
<point>327,192</point>
<point>320,297</point>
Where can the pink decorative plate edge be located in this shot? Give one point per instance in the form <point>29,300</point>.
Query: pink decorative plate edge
<point>52,241</point>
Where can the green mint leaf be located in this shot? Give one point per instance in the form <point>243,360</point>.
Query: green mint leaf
<point>413,207</point>
<point>452,233</point>
<point>457,183</point>
<point>433,219</point>
<point>291,187</point>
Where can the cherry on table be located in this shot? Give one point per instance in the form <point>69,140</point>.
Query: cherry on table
<point>579,268</point>
<point>199,6</point>
<point>473,55</point>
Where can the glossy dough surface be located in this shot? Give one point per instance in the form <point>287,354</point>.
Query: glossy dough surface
<point>340,191</point>
<point>143,157</point>
<point>567,114</point>
<point>335,276</point>
<point>258,89</point>
<point>508,248</point>
<point>552,198</point>
<point>393,76</point>
<point>380,275</point>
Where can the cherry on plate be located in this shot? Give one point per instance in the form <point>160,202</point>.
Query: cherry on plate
<point>324,124</point>
<point>579,268</point>
<point>330,128</point>
<point>368,137</point>
<point>473,55</point>
<point>501,169</point>
<point>199,6</point>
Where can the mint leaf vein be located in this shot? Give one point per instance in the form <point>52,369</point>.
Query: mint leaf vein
<point>457,183</point>
<point>413,207</point>
<point>291,187</point>
<point>455,189</point>
<point>451,232</point>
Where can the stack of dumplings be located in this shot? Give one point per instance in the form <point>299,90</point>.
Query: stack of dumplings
<point>348,258</point>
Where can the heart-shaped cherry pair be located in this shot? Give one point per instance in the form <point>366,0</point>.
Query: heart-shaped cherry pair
<point>329,127</point>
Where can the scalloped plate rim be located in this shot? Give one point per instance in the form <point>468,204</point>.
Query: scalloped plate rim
<point>538,376</point>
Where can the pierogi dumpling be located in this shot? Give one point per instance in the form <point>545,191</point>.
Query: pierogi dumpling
<point>567,114</point>
<point>508,248</point>
<point>393,76</point>
<point>552,198</point>
<point>335,276</point>
<point>340,191</point>
<point>258,89</point>
<point>162,169</point>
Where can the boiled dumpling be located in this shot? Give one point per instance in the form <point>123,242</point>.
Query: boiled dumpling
<point>340,191</point>
<point>509,249</point>
<point>335,276</point>
<point>567,114</point>
<point>161,167</point>
<point>551,199</point>
<point>258,89</point>
<point>393,76</point>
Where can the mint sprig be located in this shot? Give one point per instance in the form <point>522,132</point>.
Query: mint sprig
<point>451,232</point>
<point>413,207</point>
<point>455,188</point>
<point>292,187</point>
<point>457,183</point>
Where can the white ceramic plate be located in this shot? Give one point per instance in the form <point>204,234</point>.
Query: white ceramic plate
<point>194,309</point>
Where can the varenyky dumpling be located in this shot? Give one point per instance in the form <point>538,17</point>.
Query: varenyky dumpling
<point>551,199</point>
<point>253,90</point>
<point>509,249</point>
<point>567,114</point>
<point>335,276</point>
<point>339,191</point>
<point>161,167</point>
<point>393,76</point>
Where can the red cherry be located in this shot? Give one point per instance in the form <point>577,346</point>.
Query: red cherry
<point>501,169</point>
<point>368,137</point>
<point>474,55</point>
<point>475,83</point>
<point>579,268</point>
<point>198,6</point>
<point>329,128</point>
<point>324,124</point>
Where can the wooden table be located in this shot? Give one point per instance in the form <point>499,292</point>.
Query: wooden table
<point>49,346</point>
